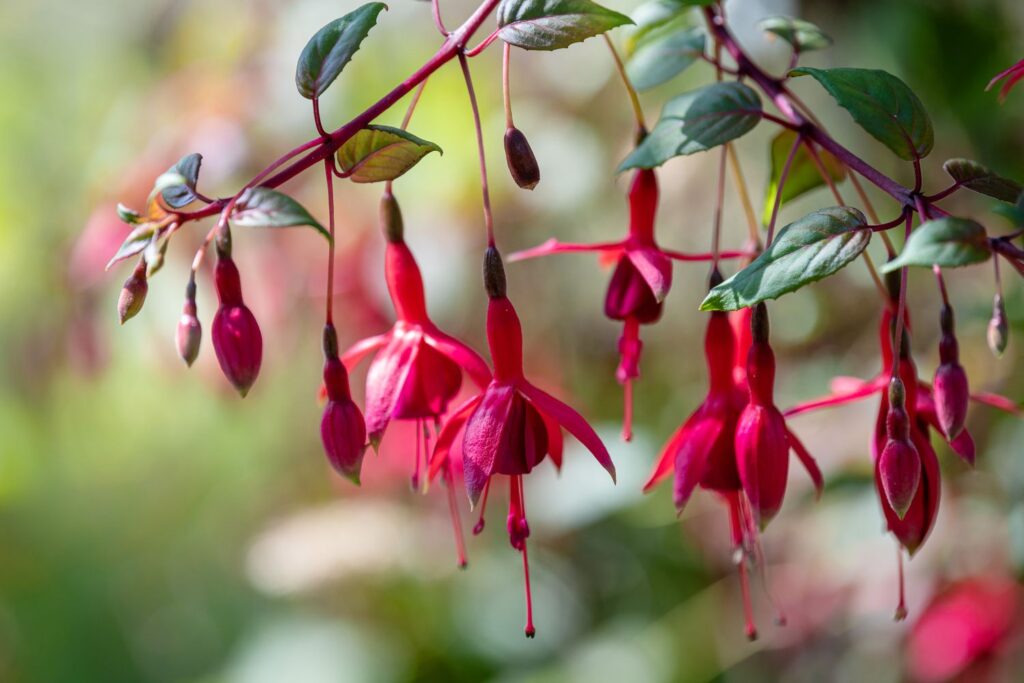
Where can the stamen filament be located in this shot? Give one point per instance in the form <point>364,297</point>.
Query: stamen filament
<point>901,608</point>
<point>479,526</point>
<point>453,509</point>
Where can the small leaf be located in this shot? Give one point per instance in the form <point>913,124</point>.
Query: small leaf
<point>261,207</point>
<point>801,35</point>
<point>378,153</point>
<point>949,242</point>
<point>807,250</point>
<point>974,176</point>
<point>697,121</point>
<point>331,49</point>
<point>803,173</point>
<point>129,216</point>
<point>134,243</point>
<point>882,104</point>
<point>662,54</point>
<point>554,24</point>
<point>178,184</point>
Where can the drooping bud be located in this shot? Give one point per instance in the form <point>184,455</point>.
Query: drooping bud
<point>133,294</point>
<point>342,428</point>
<point>522,164</point>
<point>998,327</point>
<point>190,332</point>
<point>899,466</point>
<point>236,334</point>
<point>951,392</point>
<point>391,222</point>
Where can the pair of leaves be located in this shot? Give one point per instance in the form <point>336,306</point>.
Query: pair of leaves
<point>331,49</point>
<point>554,24</point>
<point>807,250</point>
<point>948,242</point>
<point>378,153</point>
<point>801,35</point>
<point>177,185</point>
<point>882,105</point>
<point>803,176</point>
<point>697,121</point>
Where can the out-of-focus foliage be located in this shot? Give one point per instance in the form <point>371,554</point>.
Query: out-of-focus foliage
<point>153,527</point>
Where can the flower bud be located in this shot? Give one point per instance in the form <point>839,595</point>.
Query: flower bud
<point>236,334</point>
<point>762,457</point>
<point>522,164</point>
<point>899,465</point>
<point>133,294</point>
<point>391,222</point>
<point>342,429</point>
<point>950,386</point>
<point>190,332</point>
<point>998,328</point>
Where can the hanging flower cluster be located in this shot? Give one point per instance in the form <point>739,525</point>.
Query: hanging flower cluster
<point>737,442</point>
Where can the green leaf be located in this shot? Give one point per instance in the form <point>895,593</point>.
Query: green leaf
<point>378,153</point>
<point>974,176</point>
<point>331,49</point>
<point>662,54</point>
<point>656,14</point>
<point>554,24</point>
<point>134,243</point>
<point>261,207</point>
<point>801,35</point>
<point>949,242</point>
<point>178,184</point>
<point>807,250</point>
<point>803,173</point>
<point>697,121</point>
<point>129,216</point>
<point>1014,214</point>
<point>882,104</point>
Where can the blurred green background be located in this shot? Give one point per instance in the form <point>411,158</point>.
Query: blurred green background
<point>154,527</point>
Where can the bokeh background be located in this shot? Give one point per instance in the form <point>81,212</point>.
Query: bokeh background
<point>154,527</point>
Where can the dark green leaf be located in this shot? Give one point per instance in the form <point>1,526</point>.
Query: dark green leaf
<point>882,104</point>
<point>1014,214</point>
<point>134,243</point>
<point>554,24</point>
<point>697,121</point>
<point>178,184</point>
<point>379,153</point>
<point>261,207</point>
<point>807,250</point>
<point>948,242</point>
<point>331,49</point>
<point>801,35</point>
<point>803,173</point>
<point>974,176</point>
<point>662,54</point>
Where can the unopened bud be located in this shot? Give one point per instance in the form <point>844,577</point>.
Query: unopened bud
<point>899,466</point>
<point>190,332</point>
<point>950,386</point>
<point>236,334</point>
<point>494,274</point>
<point>342,428</point>
<point>998,327</point>
<point>522,164</point>
<point>391,218</point>
<point>133,294</point>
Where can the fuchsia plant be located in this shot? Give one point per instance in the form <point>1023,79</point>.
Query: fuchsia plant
<point>737,443</point>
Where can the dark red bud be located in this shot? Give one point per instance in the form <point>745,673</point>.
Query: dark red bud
<point>951,395</point>
<point>133,294</point>
<point>190,332</point>
<point>343,432</point>
<point>998,327</point>
<point>522,164</point>
<point>391,222</point>
<point>899,468</point>
<point>236,335</point>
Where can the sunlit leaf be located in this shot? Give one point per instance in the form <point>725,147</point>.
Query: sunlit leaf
<point>882,104</point>
<point>974,176</point>
<point>177,185</point>
<point>801,35</point>
<point>378,153</point>
<point>807,250</point>
<point>261,207</point>
<point>332,48</point>
<point>134,243</point>
<point>554,24</point>
<point>662,54</point>
<point>697,121</point>
<point>803,172</point>
<point>949,242</point>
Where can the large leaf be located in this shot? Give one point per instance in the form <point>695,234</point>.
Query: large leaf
<point>812,248</point>
<point>882,104</point>
<point>178,184</point>
<point>801,35</point>
<point>697,121</point>
<point>261,207</point>
<point>803,172</point>
<point>974,176</point>
<point>554,24</point>
<point>331,49</point>
<point>378,153</point>
<point>662,54</point>
<point>948,242</point>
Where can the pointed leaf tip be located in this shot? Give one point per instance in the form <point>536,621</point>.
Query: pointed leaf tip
<point>330,50</point>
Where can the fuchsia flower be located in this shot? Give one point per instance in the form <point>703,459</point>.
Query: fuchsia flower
<point>640,282</point>
<point>511,426</point>
<point>342,429</point>
<point>235,332</point>
<point>731,444</point>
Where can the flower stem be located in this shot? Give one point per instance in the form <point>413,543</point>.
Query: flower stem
<point>744,195</point>
<point>488,216</point>
<point>505,90</point>
<point>634,99</point>
<point>779,188</point>
<point>329,310</point>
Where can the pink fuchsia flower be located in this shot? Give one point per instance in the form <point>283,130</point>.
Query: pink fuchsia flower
<point>1012,76</point>
<point>342,429</point>
<point>236,335</point>
<point>962,629</point>
<point>511,426</point>
<point>641,279</point>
